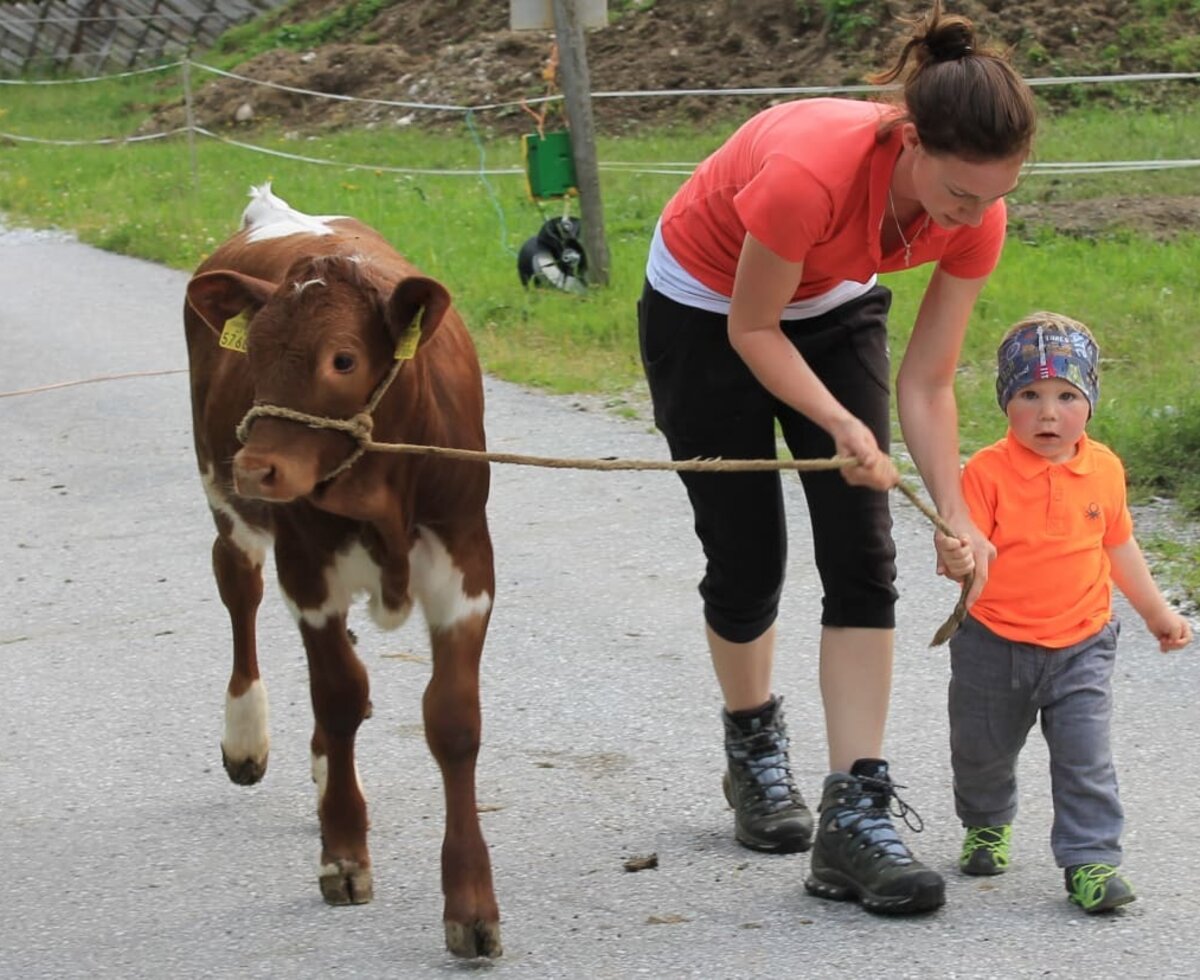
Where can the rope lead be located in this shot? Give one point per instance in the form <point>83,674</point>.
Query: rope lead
<point>359,427</point>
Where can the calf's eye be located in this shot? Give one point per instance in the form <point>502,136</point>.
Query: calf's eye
<point>343,362</point>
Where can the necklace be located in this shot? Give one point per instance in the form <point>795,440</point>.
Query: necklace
<point>900,231</point>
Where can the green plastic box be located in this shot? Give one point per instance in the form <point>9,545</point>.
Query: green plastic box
<point>549,164</point>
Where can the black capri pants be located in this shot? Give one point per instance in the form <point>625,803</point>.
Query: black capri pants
<point>708,403</point>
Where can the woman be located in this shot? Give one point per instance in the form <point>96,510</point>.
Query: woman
<point>761,305</point>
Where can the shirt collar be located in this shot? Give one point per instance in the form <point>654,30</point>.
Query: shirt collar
<point>1029,464</point>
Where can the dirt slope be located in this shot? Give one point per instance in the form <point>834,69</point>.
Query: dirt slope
<point>461,52</point>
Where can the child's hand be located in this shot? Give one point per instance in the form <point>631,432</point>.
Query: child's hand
<point>955,559</point>
<point>1174,632</point>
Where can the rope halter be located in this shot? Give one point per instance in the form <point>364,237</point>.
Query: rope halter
<point>358,427</point>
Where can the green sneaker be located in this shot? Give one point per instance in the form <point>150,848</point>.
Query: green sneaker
<point>1098,887</point>
<point>985,850</point>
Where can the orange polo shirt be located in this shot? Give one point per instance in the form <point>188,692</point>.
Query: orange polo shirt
<point>809,179</point>
<point>1051,581</point>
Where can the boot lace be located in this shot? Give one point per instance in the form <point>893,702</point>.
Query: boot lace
<point>892,804</point>
<point>866,816</point>
<point>763,758</point>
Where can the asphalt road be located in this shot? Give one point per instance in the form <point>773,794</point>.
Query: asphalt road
<point>128,854</point>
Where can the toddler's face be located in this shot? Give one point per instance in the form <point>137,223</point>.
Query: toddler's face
<point>1048,417</point>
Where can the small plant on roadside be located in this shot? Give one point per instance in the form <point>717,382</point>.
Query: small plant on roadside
<point>622,8</point>
<point>847,21</point>
<point>267,33</point>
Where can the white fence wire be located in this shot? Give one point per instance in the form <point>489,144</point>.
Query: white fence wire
<point>682,168</point>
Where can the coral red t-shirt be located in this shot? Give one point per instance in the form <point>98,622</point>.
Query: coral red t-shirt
<point>809,179</point>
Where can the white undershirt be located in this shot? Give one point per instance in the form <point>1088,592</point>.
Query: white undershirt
<point>672,280</point>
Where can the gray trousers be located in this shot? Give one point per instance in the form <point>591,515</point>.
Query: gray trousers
<point>997,690</point>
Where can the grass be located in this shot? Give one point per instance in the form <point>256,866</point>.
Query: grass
<point>1141,297</point>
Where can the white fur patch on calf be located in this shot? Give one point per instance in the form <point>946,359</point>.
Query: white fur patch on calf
<point>434,580</point>
<point>246,734</point>
<point>299,287</point>
<point>352,573</point>
<point>320,776</point>
<point>253,542</point>
<point>269,216</point>
<point>438,583</point>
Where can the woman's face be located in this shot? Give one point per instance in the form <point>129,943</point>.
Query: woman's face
<point>955,191</point>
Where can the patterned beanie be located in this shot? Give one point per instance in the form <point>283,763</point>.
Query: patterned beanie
<point>1047,345</point>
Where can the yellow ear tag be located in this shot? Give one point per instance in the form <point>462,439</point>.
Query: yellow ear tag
<point>407,346</point>
<point>233,337</point>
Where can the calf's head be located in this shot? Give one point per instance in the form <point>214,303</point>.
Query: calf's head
<point>319,342</point>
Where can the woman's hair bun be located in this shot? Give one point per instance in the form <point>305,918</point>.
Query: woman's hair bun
<point>950,40</point>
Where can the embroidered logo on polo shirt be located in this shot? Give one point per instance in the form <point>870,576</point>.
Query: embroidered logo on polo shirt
<point>1093,512</point>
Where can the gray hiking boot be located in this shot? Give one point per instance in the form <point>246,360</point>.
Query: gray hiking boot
<point>769,813</point>
<point>858,854</point>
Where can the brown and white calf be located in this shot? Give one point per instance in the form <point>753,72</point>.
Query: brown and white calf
<point>310,314</point>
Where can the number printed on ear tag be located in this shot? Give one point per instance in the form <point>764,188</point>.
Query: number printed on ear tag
<point>407,346</point>
<point>234,335</point>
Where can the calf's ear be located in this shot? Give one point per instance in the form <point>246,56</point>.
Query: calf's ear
<point>412,296</point>
<point>222,295</point>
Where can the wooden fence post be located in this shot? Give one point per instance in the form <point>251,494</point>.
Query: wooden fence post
<point>577,93</point>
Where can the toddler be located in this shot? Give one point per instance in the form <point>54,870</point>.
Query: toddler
<point>1041,639</point>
